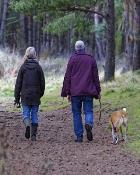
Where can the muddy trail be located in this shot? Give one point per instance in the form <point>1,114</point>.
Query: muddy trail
<point>56,153</point>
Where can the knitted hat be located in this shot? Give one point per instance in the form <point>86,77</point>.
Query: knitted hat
<point>79,45</point>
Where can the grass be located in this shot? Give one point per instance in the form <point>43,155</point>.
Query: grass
<point>123,92</point>
<point>52,100</point>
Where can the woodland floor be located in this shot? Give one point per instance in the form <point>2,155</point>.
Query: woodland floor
<point>56,153</point>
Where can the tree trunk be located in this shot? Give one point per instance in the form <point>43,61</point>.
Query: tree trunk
<point>1,10</point>
<point>69,41</point>
<point>30,30</point>
<point>99,38</point>
<point>22,34</point>
<point>26,30</point>
<point>34,33</point>
<point>128,30</point>
<point>136,56</point>
<point>110,43</point>
<point>38,39</point>
<point>3,21</point>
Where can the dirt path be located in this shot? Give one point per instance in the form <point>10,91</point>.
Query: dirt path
<point>56,153</point>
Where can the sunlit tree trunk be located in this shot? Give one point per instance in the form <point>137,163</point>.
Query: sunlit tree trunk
<point>110,41</point>
<point>136,56</point>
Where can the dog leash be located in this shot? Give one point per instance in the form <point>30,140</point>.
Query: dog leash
<point>100,114</point>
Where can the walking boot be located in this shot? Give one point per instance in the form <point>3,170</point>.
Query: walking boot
<point>79,139</point>
<point>89,132</point>
<point>34,131</point>
<point>27,125</point>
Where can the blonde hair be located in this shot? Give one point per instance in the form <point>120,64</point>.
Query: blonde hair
<point>30,53</point>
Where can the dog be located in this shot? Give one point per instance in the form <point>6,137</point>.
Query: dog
<point>117,120</point>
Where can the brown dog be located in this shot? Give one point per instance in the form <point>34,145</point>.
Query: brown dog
<point>117,120</point>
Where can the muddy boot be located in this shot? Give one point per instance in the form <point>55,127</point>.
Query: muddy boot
<point>27,125</point>
<point>89,132</point>
<point>34,131</point>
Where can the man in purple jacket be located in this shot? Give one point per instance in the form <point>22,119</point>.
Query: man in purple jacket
<point>81,84</point>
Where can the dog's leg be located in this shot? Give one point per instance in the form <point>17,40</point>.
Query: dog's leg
<point>113,135</point>
<point>116,138</point>
<point>121,133</point>
<point>125,136</point>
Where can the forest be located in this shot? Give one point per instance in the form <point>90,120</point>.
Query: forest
<point>110,29</point>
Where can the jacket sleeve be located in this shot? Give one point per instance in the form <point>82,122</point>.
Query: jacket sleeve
<point>42,81</point>
<point>96,77</point>
<point>18,84</point>
<point>67,80</point>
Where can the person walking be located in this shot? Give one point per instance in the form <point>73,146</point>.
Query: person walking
<point>30,86</point>
<point>81,84</point>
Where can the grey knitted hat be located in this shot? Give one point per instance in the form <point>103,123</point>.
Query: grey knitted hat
<point>79,45</point>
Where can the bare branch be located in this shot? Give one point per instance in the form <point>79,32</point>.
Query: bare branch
<point>82,9</point>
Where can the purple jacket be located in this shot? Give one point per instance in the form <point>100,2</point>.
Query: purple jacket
<point>81,77</point>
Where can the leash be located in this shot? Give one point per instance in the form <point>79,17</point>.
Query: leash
<point>100,114</point>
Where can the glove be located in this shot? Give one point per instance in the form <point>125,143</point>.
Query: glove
<point>69,98</point>
<point>98,97</point>
<point>17,103</point>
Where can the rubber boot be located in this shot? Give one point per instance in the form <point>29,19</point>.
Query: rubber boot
<point>89,132</point>
<point>34,131</point>
<point>27,125</point>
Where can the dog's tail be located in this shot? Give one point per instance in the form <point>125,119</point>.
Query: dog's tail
<point>124,109</point>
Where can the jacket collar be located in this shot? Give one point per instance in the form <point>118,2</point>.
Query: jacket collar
<point>80,51</point>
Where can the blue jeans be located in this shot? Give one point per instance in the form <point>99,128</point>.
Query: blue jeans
<point>77,102</point>
<point>30,112</point>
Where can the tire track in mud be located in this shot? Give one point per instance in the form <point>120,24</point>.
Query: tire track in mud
<point>56,153</point>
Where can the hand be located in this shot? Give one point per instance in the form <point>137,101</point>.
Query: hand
<point>17,103</point>
<point>69,98</point>
<point>99,96</point>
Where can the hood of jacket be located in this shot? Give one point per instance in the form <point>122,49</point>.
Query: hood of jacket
<point>31,63</point>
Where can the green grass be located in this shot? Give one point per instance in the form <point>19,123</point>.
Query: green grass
<point>52,101</point>
<point>123,92</point>
<point>135,147</point>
